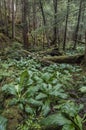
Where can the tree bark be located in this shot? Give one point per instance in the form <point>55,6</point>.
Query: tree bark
<point>78,23</point>
<point>25,22</point>
<point>65,34</point>
<point>65,59</point>
<point>34,22</point>
<point>85,49</point>
<point>6,18</point>
<point>80,42</point>
<point>44,21</point>
<point>55,20</point>
<point>1,20</point>
<point>13,19</point>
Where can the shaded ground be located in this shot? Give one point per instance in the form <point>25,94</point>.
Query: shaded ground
<point>9,73</point>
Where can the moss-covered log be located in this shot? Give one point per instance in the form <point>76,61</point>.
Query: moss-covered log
<point>80,42</point>
<point>52,52</point>
<point>64,59</point>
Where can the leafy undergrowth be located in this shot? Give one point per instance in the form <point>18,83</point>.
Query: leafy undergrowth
<point>34,97</point>
<point>4,41</point>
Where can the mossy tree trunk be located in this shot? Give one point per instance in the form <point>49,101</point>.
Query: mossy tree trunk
<point>65,34</point>
<point>44,21</point>
<point>78,24</point>
<point>85,49</point>
<point>55,2</point>
<point>6,17</point>
<point>13,19</point>
<point>25,22</point>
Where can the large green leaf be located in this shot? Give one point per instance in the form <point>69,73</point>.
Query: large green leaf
<point>46,77</point>
<point>3,123</point>
<point>57,91</point>
<point>78,121</point>
<point>69,108</point>
<point>29,110</point>
<point>9,89</point>
<point>55,120</point>
<point>46,108</point>
<point>35,102</point>
<point>41,96</point>
<point>68,127</point>
<point>24,78</point>
<point>83,89</point>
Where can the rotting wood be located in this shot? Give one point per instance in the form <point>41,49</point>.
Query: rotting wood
<point>80,42</point>
<point>64,59</point>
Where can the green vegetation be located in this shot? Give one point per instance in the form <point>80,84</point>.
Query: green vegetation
<point>42,64</point>
<point>45,96</point>
<point>3,122</point>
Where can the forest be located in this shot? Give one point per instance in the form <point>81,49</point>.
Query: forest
<point>42,64</point>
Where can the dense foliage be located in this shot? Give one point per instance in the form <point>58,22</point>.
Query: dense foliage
<point>42,64</point>
<point>44,95</point>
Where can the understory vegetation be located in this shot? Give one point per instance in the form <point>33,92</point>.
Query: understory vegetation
<point>42,64</point>
<point>38,97</point>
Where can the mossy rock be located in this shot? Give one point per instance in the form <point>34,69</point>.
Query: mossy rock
<point>14,117</point>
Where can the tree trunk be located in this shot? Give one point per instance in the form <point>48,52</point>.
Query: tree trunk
<point>34,21</point>
<point>6,18</point>
<point>9,10</point>
<point>25,22</point>
<point>1,20</point>
<point>55,21</point>
<point>85,49</point>
<point>44,21</point>
<point>64,59</point>
<point>65,34</point>
<point>78,23</point>
<point>13,19</point>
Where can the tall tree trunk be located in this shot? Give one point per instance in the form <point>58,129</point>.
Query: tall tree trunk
<point>13,19</point>
<point>78,23</point>
<point>55,21</point>
<point>34,21</point>
<point>85,49</point>
<point>9,10</point>
<point>25,22</point>
<point>65,33</point>
<point>6,18</point>
<point>82,25</point>
<point>44,21</point>
<point>1,21</point>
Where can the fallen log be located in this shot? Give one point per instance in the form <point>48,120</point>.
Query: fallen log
<point>52,52</point>
<point>64,59</point>
<point>80,42</point>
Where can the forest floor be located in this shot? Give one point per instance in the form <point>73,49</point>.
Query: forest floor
<point>31,91</point>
